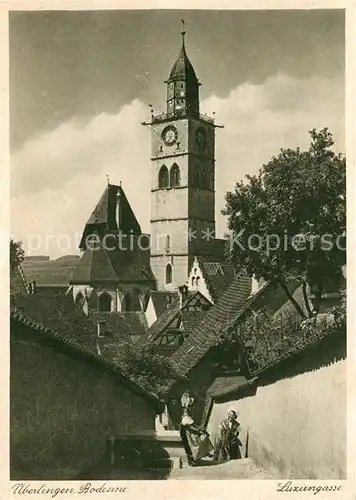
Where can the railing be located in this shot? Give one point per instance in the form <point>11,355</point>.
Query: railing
<point>180,114</point>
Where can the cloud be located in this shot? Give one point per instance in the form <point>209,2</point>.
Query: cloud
<point>58,177</point>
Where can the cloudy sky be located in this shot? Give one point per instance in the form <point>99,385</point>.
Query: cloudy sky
<point>81,82</point>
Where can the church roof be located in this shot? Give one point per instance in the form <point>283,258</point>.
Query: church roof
<point>105,265</point>
<point>183,68</point>
<point>120,252</point>
<point>94,266</point>
<point>103,217</point>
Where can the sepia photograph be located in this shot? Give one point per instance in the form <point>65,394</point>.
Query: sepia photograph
<point>177,247</point>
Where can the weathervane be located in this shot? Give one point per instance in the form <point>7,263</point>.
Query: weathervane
<point>183,30</point>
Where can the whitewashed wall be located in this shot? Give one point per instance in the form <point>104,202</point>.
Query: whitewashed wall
<point>296,426</point>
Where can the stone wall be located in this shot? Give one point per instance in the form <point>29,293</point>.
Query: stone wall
<point>295,427</point>
<point>63,410</point>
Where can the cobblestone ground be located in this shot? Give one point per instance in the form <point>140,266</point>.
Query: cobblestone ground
<point>244,468</point>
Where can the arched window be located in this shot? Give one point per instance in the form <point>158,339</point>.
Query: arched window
<point>169,274</point>
<point>163,177</point>
<point>79,300</point>
<point>105,302</point>
<point>175,176</point>
<point>193,281</point>
<point>168,243</point>
<point>197,281</point>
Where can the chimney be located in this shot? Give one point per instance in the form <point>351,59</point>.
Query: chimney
<point>183,295</point>
<point>118,209</point>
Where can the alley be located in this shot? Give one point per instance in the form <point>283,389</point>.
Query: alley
<point>245,468</point>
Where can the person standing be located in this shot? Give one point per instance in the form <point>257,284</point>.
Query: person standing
<point>196,441</point>
<point>228,447</point>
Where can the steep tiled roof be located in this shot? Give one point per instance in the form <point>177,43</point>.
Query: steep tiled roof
<point>183,69</point>
<point>94,266</point>
<point>70,343</point>
<point>122,325</point>
<point>218,275</point>
<point>49,272</point>
<point>190,320</point>
<point>58,312</point>
<point>103,217</point>
<point>225,385</point>
<point>108,263</point>
<point>207,332</point>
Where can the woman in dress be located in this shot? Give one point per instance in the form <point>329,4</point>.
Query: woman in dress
<point>196,441</point>
<point>228,447</point>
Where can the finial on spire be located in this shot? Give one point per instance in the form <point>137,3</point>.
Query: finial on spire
<point>107,179</point>
<point>183,30</point>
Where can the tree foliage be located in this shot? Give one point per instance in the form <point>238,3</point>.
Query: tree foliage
<point>266,338</point>
<point>143,365</point>
<point>289,221</point>
<point>17,254</point>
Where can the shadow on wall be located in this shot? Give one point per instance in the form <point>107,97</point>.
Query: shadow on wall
<point>132,459</point>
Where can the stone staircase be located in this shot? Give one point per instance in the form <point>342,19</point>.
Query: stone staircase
<point>244,468</point>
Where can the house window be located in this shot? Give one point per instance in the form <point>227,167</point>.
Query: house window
<point>163,180</point>
<point>105,302</point>
<point>175,176</point>
<point>169,274</point>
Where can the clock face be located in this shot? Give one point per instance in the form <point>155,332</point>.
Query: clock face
<point>169,135</point>
<point>200,138</point>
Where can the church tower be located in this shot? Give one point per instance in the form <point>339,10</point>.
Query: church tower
<point>182,178</point>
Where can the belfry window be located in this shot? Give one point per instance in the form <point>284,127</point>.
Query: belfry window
<point>163,180</point>
<point>105,302</point>
<point>169,274</point>
<point>175,176</point>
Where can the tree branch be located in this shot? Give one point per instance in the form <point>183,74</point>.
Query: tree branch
<point>291,298</point>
